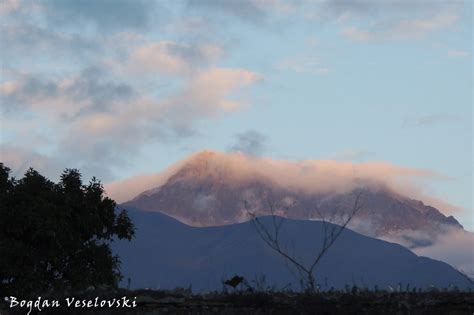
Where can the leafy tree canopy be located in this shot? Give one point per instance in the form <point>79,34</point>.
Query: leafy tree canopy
<point>56,236</point>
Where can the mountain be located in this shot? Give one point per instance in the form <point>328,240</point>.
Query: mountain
<point>208,190</point>
<point>167,254</point>
<point>211,189</point>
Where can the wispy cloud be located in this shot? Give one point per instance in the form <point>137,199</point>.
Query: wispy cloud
<point>311,176</point>
<point>99,118</point>
<point>453,247</point>
<point>89,91</point>
<point>248,10</point>
<point>456,53</point>
<point>430,120</point>
<point>354,155</point>
<point>9,6</point>
<point>309,64</point>
<point>413,28</point>
<point>359,20</point>
<point>250,142</point>
<point>113,87</point>
<point>19,159</point>
<point>172,58</point>
<point>107,15</point>
<point>371,21</point>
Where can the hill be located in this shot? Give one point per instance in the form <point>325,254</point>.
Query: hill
<point>167,253</point>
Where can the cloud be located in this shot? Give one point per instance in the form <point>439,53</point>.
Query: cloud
<point>454,247</point>
<point>224,81</point>
<point>102,109</point>
<point>413,28</point>
<point>19,93</point>
<point>371,21</point>
<point>253,12</point>
<point>247,10</point>
<point>250,142</point>
<point>68,32</point>
<point>303,64</point>
<point>146,119</point>
<point>108,15</point>
<point>8,6</point>
<point>89,91</point>
<point>21,37</point>
<point>88,76</point>
<point>455,53</point>
<point>448,244</point>
<point>370,8</point>
<point>124,190</point>
<point>313,176</point>
<point>172,58</point>
<point>19,159</point>
<point>92,116</point>
<point>430,120</point>
<point>360,20</point>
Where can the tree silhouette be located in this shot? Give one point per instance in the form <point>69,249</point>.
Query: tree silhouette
<point>270,234</point>
<point>56,236</point>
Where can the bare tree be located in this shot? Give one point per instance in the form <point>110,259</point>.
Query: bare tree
<point>271,236</point>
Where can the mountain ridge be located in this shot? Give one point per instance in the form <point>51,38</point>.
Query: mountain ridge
<point>211,189</point>
<point>199,184</point>
<point>167,253</point>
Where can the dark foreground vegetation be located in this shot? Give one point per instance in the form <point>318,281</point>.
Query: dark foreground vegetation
<point>57,236</point>
<point>241,302</point>
<point>55,258</point>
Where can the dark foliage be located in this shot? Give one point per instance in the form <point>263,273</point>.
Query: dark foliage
<point>56,236</point>
<point>181,301</point>
<point>234,281</point>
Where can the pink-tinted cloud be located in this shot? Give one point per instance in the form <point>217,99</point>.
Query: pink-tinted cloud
<point>19,159</point>
<point>7,6</point>
<point>311,176</point>
<point>408,28</point>
<point>166,57</point>
<point>124,190</point>
<point>98,114</point>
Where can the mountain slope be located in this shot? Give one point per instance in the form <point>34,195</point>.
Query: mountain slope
<point>210,189</point>
<point>167,254</point>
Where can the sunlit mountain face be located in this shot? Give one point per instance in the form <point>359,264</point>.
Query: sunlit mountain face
<point>216,189</point>
<point>213,189</point>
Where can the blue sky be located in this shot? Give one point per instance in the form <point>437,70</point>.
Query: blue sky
<point>120,88</point>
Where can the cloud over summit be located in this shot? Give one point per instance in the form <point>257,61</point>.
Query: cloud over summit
<point>119,87</point>
<point>310,176</point>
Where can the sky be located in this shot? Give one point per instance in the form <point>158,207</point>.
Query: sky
<point>122,88</point>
